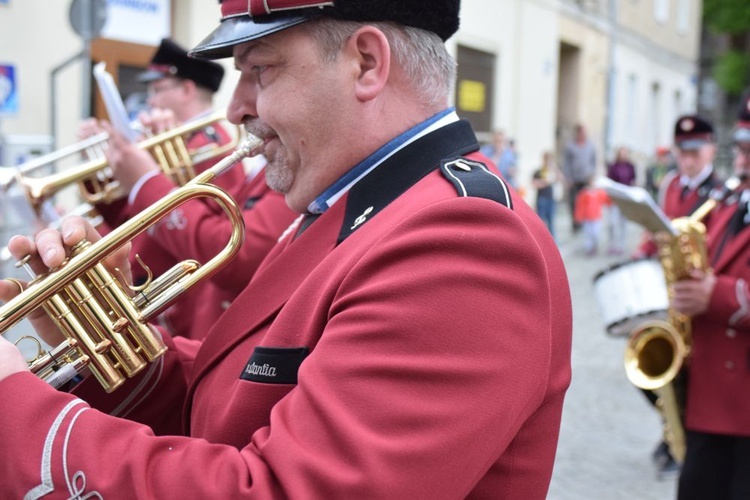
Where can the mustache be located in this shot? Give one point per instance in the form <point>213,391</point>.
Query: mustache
<point>259,129</point>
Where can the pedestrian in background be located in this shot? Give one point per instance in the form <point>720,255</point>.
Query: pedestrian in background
<point>579,164</point>
<point>503,154</point>
<point>655,173</point>
<point>589,207</point>
<point>622,171</point>
<point>544,180</point>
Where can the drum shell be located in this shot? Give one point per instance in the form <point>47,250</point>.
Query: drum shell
<point>629,293</point>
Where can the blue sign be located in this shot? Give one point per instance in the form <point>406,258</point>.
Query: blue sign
<point>8,90</point>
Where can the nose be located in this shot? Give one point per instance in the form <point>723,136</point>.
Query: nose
<point>242,105</point>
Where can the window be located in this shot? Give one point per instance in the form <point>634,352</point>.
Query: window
<point>632,102</point>
<point>661,11</point>
<point>683,16</point>
<point>475,87</point>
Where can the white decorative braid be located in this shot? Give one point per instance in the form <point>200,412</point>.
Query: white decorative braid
<point>47,485</point>
<point>77,483</point>
<point>743,299</point>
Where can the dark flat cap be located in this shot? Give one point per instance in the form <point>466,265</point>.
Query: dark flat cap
<point>692,132</point>
<point>245,20</point>
<point>172,60</point>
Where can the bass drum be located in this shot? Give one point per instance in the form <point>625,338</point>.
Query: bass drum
<point>630,293</point>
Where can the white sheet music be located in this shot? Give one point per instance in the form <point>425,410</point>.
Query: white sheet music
<point>118,116</point>
<point>637,205</point>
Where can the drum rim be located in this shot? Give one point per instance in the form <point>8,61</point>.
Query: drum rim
<point>616,265</point>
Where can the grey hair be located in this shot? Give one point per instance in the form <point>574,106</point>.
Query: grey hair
<point>422,54</point>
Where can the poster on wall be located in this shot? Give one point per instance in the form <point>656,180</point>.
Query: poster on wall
<point>8,90</point>
<point>137,21</point>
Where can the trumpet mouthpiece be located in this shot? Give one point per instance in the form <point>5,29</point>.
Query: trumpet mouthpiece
<point>250,146</point>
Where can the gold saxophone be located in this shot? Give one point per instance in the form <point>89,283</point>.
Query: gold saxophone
<point>658,350</point>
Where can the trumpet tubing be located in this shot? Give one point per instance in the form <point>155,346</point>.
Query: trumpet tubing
<point>169,149</point>
<point>93,146</point>
<point>106,329</point>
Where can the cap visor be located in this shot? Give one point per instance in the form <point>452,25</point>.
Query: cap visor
<point>236,30</point>
<point>691,144</point>
<point>151,76</point>
<point>741,135</point>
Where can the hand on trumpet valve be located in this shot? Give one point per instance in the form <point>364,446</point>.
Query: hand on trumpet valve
<point>48,251</point>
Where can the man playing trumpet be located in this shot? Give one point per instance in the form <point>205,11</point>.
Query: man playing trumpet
<point>410,338</point>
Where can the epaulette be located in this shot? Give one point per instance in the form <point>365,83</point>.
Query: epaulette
<point>472,178</point>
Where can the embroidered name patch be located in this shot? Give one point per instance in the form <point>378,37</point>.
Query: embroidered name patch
<point>274,365</point>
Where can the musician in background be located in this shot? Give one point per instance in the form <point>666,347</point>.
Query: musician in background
<point>688,186</point>
<point>681,191</point>
<point>367,357</point>
<point>685,189</point>
<point>717,413</point>
<point>180,90</point>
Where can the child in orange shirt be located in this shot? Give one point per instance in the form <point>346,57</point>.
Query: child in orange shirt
<point>588,213</point>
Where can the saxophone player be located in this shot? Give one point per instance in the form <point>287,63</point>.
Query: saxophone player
<point>681,192</point>
<point>717,411</point>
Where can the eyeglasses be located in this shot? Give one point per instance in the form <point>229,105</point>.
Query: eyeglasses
<point>158,89</point>
<point>742,148</point>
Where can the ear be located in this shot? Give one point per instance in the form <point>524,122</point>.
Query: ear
<point>189,89</point>
<point>372,54</point>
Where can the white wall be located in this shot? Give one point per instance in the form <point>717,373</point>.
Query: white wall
<point>652,123</point>
<point>21,25</point>
<point>523,36</point>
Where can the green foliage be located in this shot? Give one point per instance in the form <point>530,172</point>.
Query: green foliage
<point>727,16</point>
<point>732,71</point>
<point>730,17</point>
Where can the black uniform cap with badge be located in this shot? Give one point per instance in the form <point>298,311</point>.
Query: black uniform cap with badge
<point>691,132</point>
<point>246,20</point>
<point>742,128</point>
<point>171,60</point>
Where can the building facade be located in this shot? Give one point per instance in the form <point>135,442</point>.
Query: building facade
<point>533,68</point>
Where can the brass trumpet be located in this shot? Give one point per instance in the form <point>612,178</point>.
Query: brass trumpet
<point>169,149</point>
<point>93,146</point>
<point>105,328</point>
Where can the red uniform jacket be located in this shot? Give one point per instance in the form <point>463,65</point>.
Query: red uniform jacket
<point>676,204</point>
<point>719,368</point>
<point>424,356</point>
